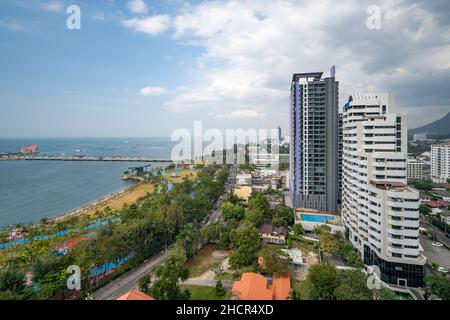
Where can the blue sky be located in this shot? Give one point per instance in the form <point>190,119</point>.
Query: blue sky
<point>145,68</point>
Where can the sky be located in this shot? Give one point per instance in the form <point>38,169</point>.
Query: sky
<point>147,67</point>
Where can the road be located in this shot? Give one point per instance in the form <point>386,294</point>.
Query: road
<point>439,255</point>
<point>438,232</point>
<point>129,280</point>
<point>229,185</point>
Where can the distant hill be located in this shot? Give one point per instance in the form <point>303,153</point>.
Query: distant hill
<point>438,128</point>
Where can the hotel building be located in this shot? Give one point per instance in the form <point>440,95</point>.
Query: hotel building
<point>380,212</point>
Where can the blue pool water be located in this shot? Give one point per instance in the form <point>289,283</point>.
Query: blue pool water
<point>316,218</point>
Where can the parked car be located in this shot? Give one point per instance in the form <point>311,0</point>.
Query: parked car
<point>442,269</point>
<point>437,244</point>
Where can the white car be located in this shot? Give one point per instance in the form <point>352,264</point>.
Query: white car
<point>437,244</point>
<point>442,269</point>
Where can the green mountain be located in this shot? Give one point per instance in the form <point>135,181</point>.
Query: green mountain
<point>438,128</point>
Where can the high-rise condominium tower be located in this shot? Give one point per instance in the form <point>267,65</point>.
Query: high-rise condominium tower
<point>440,162</point>
<point>380,212</point>
<point>314,144</point>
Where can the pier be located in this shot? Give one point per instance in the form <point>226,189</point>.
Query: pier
<point>9,157</point>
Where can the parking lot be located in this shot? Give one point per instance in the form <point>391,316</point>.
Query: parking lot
<point>439,255</point>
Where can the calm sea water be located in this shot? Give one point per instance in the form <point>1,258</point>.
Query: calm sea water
<point>32,190</point>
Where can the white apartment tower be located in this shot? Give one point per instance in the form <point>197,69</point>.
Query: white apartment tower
<point>440,162</point>
<point>380,212</point>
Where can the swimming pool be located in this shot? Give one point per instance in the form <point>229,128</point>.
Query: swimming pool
<point>317,218</point>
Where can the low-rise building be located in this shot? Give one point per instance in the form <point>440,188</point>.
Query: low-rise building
<point>253,286</point>
<point>243,192</point>
<point>445,216</point>
<point>243,178</point>
<point>296,256</point>
<point>414,169</point>
<point>271,234</point>
<point>135,295</point>
<point>30,149</point>
<point>437,206</point>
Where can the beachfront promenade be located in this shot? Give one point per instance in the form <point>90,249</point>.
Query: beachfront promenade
<point>10,157</point>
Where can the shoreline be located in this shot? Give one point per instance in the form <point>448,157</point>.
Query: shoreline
<point>105,201</point>
<point>95,204</point>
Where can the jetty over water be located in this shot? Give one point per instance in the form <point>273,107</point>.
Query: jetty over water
<point>7,157</point>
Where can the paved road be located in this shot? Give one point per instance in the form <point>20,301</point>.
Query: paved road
<point>439,255</point>
<point>431,228</point>
<point>129,280</point>
<point>229,185</point>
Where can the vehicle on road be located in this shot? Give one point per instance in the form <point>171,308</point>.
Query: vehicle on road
<point>442,269</point>
<point>437,244</point>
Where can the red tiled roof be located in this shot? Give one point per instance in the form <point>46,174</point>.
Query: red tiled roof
<point>135,295</point>
<point>253,286</point>
<point>437,204</point>
<point>281,287</point>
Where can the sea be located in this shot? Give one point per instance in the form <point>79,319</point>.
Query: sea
<point>32,190</point>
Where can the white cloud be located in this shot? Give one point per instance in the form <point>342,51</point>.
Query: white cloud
<point>137,6</point>
<point>246,114</point>
<point>152,26</point>
<point>252,48</point>
<point>153,91</point>
<point>100,16</point>
<point>13,25</point>
<point>53,6</point>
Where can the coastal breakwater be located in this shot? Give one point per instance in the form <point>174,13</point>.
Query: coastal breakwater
<point>9,157</point>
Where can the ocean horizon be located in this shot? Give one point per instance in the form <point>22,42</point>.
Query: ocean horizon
<point>32,190</point>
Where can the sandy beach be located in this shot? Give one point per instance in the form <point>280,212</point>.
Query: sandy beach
<point>114,201</point>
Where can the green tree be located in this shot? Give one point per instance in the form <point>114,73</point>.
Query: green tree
<point>328,243</point>
<point>174,269</point>
<point>217,267</point>
<point>52,283</point>
<point>384,294</point>
<point>12,280</point>
<point>189,239</point>
<point>322,229</point>
<point>323,280</point>
<point>45,264</point>
<point>254,216</point>
<point>283,216</point>
<point>220,291</point>
<point>424,209</point>
<point>275,260</point>
<point>298,230</point>
<point>144,283</point>
<point>258,201</point>
<point>232,211</point>
<point>353,286</point>
<point>246,243</point>
<point>438,286</point>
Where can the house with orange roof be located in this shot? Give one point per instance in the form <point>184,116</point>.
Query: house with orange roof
<point>253,286</point>
<point>281,287</point>
<point>135,295</point>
